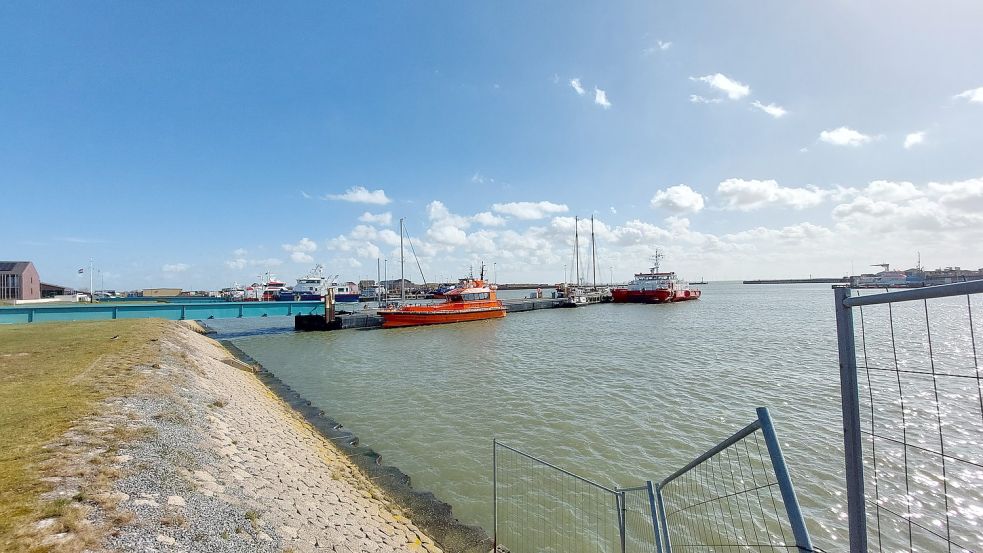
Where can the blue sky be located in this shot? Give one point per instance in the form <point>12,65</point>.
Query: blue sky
<point>193,145</point>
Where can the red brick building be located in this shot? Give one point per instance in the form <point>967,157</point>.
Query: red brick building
<point>19,280</point>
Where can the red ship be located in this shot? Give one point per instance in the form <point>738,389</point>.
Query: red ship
<point>473,300</point>
<point>654,287</point>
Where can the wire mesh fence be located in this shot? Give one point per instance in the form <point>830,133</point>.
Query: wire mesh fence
<point>542,508</point>
<point>913,418</point>
<point>640,520</point>
<point>735,497</point>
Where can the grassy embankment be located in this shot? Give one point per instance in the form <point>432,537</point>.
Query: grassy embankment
<point>52,375</point>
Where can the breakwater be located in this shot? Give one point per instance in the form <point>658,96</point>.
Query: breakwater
<point>423,507</point>
<point>831,280</point>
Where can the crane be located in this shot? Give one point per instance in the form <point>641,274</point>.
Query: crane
<point>886,266</point>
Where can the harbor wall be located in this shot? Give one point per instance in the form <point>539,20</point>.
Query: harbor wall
<point>432,515</point>
<point>169,311</point>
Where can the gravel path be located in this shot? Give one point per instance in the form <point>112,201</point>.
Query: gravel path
<point>229,467</point>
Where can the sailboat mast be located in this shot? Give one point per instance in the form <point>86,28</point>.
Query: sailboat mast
<point>593,250</point>
<point>402,278</point>
<point>576,247</point>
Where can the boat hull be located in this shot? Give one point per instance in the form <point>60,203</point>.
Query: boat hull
<point>400,318</point>
<point>624,295</point>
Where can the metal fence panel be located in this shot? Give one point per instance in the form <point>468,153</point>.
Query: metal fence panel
<point>541,508</point>
<point>913,412</point>
<point>735,497</point>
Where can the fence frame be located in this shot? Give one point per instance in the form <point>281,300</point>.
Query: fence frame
<point>850,389</point>
<point>660,525</point>
<point>784,480</point>
<point>618,494</point>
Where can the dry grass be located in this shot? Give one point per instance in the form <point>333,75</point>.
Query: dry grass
<point>52,375</point>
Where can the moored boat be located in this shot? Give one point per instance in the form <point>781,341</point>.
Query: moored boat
<point>314,286</point>
<point>473,301</point>
<point>655,287</point>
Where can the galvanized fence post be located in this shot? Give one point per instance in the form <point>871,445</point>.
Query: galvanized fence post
<point>662,517</point>
<point>802,540</point>
<point>619,505</point>
<point>655,515</point>
<point>852,440</point>
<point>494,494</point>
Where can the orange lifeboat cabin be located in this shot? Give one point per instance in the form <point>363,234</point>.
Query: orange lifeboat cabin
<point>475,301</point>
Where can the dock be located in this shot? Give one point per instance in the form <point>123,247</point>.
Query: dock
<point>369,319</point>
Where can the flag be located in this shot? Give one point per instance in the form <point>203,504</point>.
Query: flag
<point>81,271</point>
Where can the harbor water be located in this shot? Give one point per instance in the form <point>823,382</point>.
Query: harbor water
<point>617,393</point>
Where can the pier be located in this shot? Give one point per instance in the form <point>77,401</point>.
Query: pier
<point>369,319</point>
<point>206,310</point>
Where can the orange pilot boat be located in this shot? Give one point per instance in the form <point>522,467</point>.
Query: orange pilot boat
<point>472,300</point>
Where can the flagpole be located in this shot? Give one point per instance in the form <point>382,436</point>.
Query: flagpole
<point>92,295</point>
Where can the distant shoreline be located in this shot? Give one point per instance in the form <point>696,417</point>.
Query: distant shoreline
<point>830,280</point>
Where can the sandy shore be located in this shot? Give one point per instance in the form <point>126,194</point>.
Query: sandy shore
<point>219,463</point>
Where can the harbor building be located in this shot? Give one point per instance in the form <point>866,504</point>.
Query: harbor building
<point>19,280</point>
<point>49,290</point>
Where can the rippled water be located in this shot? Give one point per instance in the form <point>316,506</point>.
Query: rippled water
<point>617,393</point>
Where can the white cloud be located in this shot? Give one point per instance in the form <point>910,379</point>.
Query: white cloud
<point>793,235</point>
<point>447,234</point>
<point>601,98</point>
<point>733,89</point>
<point>613,210</point>
<point>964,195</point>
<point>360,194</point>
<point>844,136</point>
<point>488,219</point>
<point>240,252</point>
<point>378,218</point>
<point>305,245</point>
<point>437,211</point>
<point>300,252</point>
<point>678,199</point>
<point>529,210</point>
<point>748,195</point>
<point>974,95</point>
<point>901,210</point>
<point>914,139</point>
<point>242,263</point>
<point>773,110</point>
<point>575,83</point>
<point>697,99</point>
<point>175,267</point>
<point>660,46</point>
<point>892,191</point>
<point>305,195</point>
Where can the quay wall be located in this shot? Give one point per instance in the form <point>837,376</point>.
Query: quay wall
<point>169,311</point>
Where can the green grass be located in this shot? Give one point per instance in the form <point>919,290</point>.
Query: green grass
<point>52,374</point>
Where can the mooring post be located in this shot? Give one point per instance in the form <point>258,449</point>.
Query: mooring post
<point>329,306</point>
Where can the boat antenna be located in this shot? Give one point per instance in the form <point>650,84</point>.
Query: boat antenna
<point>656,259</point>
<point>593,250</point>
<point>482,277</point>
